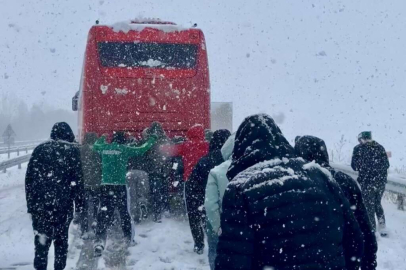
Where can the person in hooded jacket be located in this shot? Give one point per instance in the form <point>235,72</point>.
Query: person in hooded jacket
<point>158,167</point>
<point>196,185</point>
<point>313,148</point>
<point>280,212</point>
<point>54,188</point>
<point>216,186</point>
<point>91,167</point>
<point>114,194</point>
<point>370,160</point>
<point>191,150</point>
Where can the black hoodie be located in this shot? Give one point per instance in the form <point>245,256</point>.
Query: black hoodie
<point>53,179</point>
<point>313,148</point>
<point>196,185</point>
<point>279,211</point>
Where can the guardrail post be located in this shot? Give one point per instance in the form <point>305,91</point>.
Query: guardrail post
<point>19,165</point>
<point>26,150</point>
<point>18,152</point>
<point>8,153</point>
<point>400,202</point>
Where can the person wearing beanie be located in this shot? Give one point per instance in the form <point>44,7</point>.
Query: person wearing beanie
<point>370,160</point>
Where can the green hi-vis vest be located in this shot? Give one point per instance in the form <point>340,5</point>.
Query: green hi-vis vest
<point>115,159</point>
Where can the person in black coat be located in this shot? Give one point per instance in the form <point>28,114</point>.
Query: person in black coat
<point>53,186</point>
<point>158,167</point>
<point>312,148</point>
<point>369,158</point>
<point>280,212</point>
<point>196,186</point>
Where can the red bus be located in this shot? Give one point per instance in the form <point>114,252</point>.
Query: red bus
<point>136,73</point>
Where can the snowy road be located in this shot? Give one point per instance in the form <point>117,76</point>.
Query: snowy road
<point>160,246</point>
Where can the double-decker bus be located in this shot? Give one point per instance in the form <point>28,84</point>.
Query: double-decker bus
<point>138,72</point>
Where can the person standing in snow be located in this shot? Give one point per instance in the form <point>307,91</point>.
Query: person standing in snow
<point>158,167</point>
<point>114,193</point>
<point>370,160</point>
<point>280,212</point>
<point>53,186</point>
<point>190,151</point>
<point>91,167</point>
<point>196,185</point>
<point>314,149</point>
<point>216,186</point>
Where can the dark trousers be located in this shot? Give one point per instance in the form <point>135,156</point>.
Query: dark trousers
<point>157,194</point>
<point>47,231</point>
<point>212,240</point>
<point>372,198</point>
<point>113,197</point>
<point>90,207</point>
<point>197,221</point>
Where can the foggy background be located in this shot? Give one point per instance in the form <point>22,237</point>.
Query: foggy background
<point>325,68</point>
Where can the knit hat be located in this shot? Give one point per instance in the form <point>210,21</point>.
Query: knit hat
<point>365,135</point>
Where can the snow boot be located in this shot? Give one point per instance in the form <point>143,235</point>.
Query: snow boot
<point>144,211</point>
<point>198,250</point>
<point>98,250</point>
<point>382,230</point>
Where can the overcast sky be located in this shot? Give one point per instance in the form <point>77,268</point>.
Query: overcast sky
<point>326,68</point>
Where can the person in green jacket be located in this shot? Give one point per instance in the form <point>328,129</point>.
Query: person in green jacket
<point>113,186</point>
<point>216,186</point>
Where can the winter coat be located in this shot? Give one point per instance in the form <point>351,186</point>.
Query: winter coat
<point>281,212</point>
<point>372,163</point>
<point>91,162</point>
<point>216,186</point>
<point>191,150</point>
<point>155,162</point>
<point>312,148</point>
<point>196,185</point>
<point>53,181</point>
<point>115,159</point>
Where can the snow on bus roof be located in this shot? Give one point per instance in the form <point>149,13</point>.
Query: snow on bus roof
<point>139,25</point>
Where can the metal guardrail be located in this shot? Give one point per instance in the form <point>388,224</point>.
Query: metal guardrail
<point>21,143</point>
<point>396,185</point>
<point>14,162</point>
<point>17,149</point>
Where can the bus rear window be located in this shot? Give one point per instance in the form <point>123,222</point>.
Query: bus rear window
<point>147,55</point>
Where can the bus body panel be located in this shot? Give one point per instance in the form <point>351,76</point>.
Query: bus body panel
<point>131,98</point>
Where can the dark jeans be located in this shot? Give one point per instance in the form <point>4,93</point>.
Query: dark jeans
<point>158,197</point>
<point>48,231</point>
<point>113,197</point>
<point>90,207</point>
<point>372,198</point>
<point>197,221</point>
<point>212,240</point>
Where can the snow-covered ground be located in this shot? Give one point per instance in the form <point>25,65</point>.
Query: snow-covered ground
<point>160,246</point>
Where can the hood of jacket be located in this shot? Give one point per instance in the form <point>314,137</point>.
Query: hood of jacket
<point>195,133</point>
<point>90,138</point>
<point>219,138</point>
<point>227,149</point>
<point>258,139</point>
<point>312,148</point>
<point>62,132</point>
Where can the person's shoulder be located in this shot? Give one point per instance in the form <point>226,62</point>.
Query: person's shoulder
<point>343,178</point>
<point>274,171</point>
<point>379,146</point>
<point>357,147</point>
<point>44,146</point>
